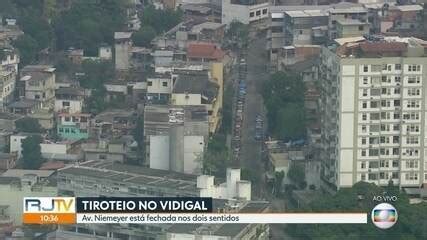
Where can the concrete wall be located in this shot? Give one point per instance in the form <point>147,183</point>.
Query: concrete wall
<point>75,106</point>
<point>193,154</point>
<point>186,99</point>
<point>159,152</point>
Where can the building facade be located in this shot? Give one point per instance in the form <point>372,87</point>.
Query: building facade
<point>374,113</point>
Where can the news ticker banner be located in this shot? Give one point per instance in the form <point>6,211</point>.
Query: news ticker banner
<point>149,210</point>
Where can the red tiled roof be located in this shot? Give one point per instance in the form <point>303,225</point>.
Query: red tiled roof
<point>382,47</point>
<point>204,50</point>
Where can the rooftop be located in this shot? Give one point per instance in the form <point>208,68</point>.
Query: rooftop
<point>351,22</point>
<point>20,173</point>
<point>122,35</point>
<point>9,116</point>
<point>23,103</point>
<point>204,50</point>
<point>196,82</point>
<point>132,174</point>
<point>70,91</point>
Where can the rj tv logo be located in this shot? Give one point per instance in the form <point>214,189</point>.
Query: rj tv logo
<point>49,205</point>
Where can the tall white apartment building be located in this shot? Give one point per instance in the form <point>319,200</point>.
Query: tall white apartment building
<point>374,122</point>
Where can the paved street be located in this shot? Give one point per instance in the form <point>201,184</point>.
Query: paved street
<point>256,59</point>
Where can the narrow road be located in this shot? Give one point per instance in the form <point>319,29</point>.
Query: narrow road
<point>256,59</point>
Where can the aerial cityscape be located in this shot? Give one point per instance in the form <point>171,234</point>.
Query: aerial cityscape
<point>259,106</point>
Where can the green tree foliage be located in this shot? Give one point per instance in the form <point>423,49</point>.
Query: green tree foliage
<point>143,37</point>
<point>138,135</point>
<point>31,152</point>
<point>296,174</point>
<point>28,48</point>
<point>96,74</point>
<point>238,34</point>
<point>283,97</point>
<point>411,222</point>
<point>88,24</point>
<point>160,20</point>
<point>289,122</point>
<point>96,102</point>
<point>216,157</point>
<point>28,125</point>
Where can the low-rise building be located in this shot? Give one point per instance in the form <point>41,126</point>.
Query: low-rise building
<point>114,123</point>
<point>244,11</point>
<point>175,137</point>
<point>204,52</point>
<point>37,83</point>
<point>73,126</point>
<point>116,150</point>
<point>351,28</point>
<point>69,99</point>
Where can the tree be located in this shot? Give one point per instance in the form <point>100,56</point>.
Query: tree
<point>138,135</point>
<point>160,20</point>
<point>216,156</point>
<point>96,74</point>
<point>411,223</point>
<point>28,125</point>
<point>238,34</point>
<point>88,24</point>
<point>290,122</point>
<point>143,37</point>
<point>31,152</point>
<point>296,174</point>
<point>283,97</point>
<point>28,48</point>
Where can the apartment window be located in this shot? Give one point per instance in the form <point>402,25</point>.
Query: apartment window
<point>363,177</point>
<point>396,103</point>
<point>363,141</point>
<point>365,68</point>
<point>414,68</point>
<point>365,80</point>
<point>373,152</point>
<point>373,140</point>
<point>258,13</point>
<point>411,176</point>
<point>373,164</point>
<point>374,116</point>
<point>375,92</point>
<point>385,103</point>
<point>65,104</point>
<point>361,28</point>
<point>397,91</point>
<point>396,127</point>
<point>364,117</point>
<point>396,151</point>
<point>398,67</point>
<point>397,79</point>
<point>83,130</point>
<point>411,163</point>
<point>102,156</point>
<point>396,116</point>
<point>363,128</point>
<point>385,115</point>
<point>413,104</point>
<point>384,139</point>
<point>37,96</point>
<point>60,130</point>
<point>73,130</point>
<point>365,92</point>
<point>67,119</point>
<point>413,80</point>
<point>413,92</point>
<point>372,176</point>
<point>384,163</point>
<point>363,165</point>
<point>412,140</point>
<point>66,130</point>
<point>264,11</point>
<point>164,84</point>
<point>384,152</point>
<point>364,105</point>
<point>149,83</point>
<point>395,175</point>
<point>251,14</point>
<point>374,128</point>
<point>384,79</point>
<point>374,104</point>
<point>395,163</point>
<point>395,139</point>
<point>363,153</point>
